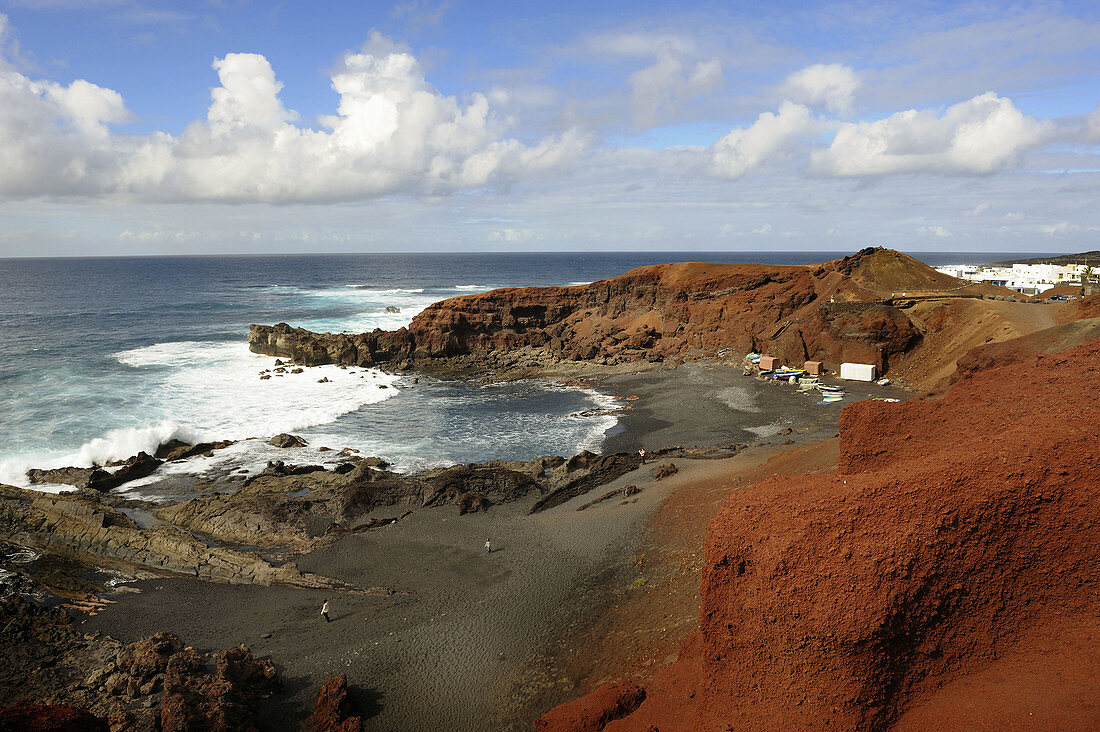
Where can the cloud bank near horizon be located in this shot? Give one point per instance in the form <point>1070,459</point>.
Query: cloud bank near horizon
<point>684,122</point>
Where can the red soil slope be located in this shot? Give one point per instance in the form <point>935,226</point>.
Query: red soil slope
<point>955,535</point>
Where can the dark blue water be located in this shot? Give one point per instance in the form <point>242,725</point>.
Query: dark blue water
<point>100,357</point>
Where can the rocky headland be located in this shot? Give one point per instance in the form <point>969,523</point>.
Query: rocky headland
<point>871,307</point>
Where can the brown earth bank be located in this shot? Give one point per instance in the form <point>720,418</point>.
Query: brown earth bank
<point>870,307</point>
<point>948,561</point>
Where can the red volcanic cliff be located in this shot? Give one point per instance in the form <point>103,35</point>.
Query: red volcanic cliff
<point>952,534</point>
<point>832,312</point>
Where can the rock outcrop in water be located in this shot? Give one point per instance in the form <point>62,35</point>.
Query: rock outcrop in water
<point>951,533</point>
<point>98,479</point>
<point>833,312</point>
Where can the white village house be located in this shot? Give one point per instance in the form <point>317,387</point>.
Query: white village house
<point>1027,279</point>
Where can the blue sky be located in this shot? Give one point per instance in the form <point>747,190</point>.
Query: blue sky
<point>132,126</point>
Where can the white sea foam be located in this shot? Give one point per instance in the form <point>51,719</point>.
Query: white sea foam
<point>115,445</point>
<point>578,284</point>
<point>371,310</point>
<point>477,288</point>
<point>201,391</point>
<point>372,290</point>
<point>215,389</point>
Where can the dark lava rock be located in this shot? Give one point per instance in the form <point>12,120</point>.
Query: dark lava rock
<point>663,471</point>
<point>334,711</point>
<point>285,440</point>
<point>77,477</point>
<point>177,450</point>
<point>98,479</point>
<point>472,503</point>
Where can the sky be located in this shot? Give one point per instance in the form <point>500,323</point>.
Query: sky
<point>226,126</point>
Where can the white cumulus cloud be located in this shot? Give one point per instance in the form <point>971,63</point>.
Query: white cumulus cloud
<point>832,86</point>
<point>54,139</point>
<point>979,136</point>
<point>392,132</point>
<point>744,149</point>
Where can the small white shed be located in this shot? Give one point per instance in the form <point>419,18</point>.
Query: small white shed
<point>857,371</point>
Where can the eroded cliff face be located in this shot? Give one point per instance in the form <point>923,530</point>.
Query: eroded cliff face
<point>832,312</point>
<point>950,530</point>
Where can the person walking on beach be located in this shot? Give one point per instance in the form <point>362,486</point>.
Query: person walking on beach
<point>488,547</point>
<point>324,612</point>
<point>641,454</point>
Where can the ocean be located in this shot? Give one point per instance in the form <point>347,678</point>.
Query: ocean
<point>101,358</point>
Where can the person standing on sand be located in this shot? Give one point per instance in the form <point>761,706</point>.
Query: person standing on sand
<point>324,612</point>
<point>488,547</point>
<point>641,454</point>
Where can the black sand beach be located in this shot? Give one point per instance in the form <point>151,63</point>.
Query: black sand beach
<point>710,404</point>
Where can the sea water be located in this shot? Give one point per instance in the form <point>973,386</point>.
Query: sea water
<point>101,358</point>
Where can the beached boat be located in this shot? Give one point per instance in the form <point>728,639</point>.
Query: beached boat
<point>830,389</point>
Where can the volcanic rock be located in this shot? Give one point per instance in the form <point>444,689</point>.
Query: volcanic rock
<point>333,711</point>
<point>592,713</point>
<point>583,472</point>
<point>649,314</point>
<point>76,477</point>
<point>664,471</point>
<point>178,450</point>
<point>98,479</point>
<point>49,718</point>
<point>156,683</point>
<point>78,525</point>
<point>287,440</point>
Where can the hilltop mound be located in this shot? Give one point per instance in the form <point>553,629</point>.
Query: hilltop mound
<point>954,544</point>
<point>886,272</point>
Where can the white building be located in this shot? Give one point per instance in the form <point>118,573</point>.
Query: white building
<point>1027,279</point>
